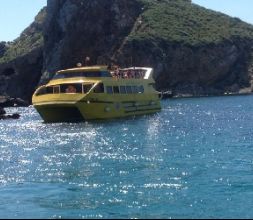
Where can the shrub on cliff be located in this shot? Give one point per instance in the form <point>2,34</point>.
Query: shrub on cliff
<point>187,23</point>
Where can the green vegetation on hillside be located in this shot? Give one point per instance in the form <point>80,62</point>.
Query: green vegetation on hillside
<point>22,46</point>
<point>184,22</point>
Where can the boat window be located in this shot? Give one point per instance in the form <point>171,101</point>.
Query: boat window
<point>87,87</point>
<point>116,89</point>
<point>91,74</point>
<point>49,90</point>
<point>45,90</point>
<point>135,89</point>
<point>141,89</point>
<point>71,88</point>
<point>152,84</point>
<point>122,89</point>
<point>41,91</point>
<point>129,89</point>
<point>99,88</point>
<point>109,89</point>
<point>56,89</point>
<point>105,74</point>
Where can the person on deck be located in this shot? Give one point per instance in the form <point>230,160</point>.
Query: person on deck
<point>87,61</point>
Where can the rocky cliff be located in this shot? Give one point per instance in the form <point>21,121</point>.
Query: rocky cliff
<point>194,51</point>
<point>76,29</point>
<point>21,61</point>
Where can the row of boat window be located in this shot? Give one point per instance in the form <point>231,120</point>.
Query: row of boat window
<point>124,89</point>
<point>66,75</point>
<point>85,88</point>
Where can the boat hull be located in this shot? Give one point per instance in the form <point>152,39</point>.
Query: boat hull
<point>86,110</point>
<point>59,113</point>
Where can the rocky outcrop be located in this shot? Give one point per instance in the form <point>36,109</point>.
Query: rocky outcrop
<point>19,77</point>
<point>12,102</point>
<point>3,48</point>
<point>125,32</point>
<point>2,111</point>
<point>3,115</point>
<point>13,116</point>
<point>76,29</point>
<point>21,61</point>
<point>188,70</point>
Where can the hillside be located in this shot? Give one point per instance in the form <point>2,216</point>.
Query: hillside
<point>184,22</point>
<point>194,51</point>
<point>21,61</point>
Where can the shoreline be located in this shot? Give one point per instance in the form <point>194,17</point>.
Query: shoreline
<point>188,96</point>
<point>21,103</point>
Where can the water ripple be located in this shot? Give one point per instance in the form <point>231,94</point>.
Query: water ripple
<point>174,164</point>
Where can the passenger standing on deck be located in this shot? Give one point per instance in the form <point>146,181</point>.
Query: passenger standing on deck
<point>87,61</point>
<point>116,70</point>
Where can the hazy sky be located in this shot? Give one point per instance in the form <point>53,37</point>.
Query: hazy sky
<point>236,8</point>
<point>16,15</point>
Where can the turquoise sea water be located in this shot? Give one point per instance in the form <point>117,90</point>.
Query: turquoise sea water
<point>194,159</point>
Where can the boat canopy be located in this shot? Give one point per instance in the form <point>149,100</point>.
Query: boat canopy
<point>103,71</point>
<point>148,72</point>
<point>90,74</point>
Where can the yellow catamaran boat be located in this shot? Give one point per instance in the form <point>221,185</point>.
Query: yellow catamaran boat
<point>94,92</point>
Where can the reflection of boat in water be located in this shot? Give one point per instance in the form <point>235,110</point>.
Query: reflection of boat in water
<point>87,93</point>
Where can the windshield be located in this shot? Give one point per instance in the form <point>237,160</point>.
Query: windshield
<point>81,74</point>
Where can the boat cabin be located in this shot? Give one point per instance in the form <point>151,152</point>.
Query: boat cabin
<point>97,80</point>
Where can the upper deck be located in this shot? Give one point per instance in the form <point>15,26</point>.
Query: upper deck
<point>104,72</point>
<point>135,72</point>
<point>98,80</point>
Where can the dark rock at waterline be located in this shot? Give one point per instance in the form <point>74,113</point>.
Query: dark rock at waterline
<point>3,115</point>
<point>13,116</point>
<point>2,111</point>
<point>19,102</point>
<point>165,94</point>
<point>12,102</point>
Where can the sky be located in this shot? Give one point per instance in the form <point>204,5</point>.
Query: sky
<point>236,8</point>
<point>16,15</point>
